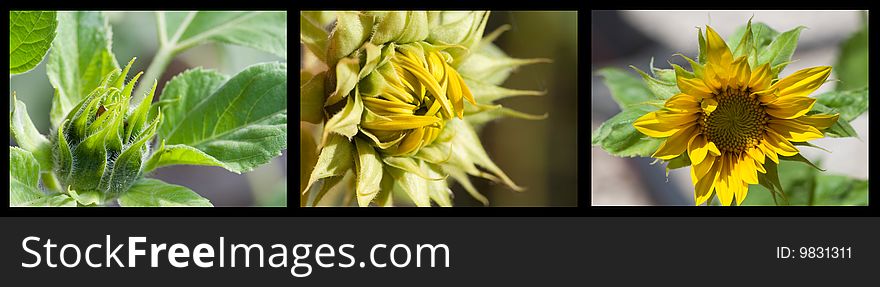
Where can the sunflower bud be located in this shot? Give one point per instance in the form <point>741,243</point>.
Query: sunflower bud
<point>102,144</point>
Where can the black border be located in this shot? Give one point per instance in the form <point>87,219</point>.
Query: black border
<point>584,208</point>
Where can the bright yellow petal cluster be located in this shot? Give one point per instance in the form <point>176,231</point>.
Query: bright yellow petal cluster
<point>422,91</point>
<point>730,117</point>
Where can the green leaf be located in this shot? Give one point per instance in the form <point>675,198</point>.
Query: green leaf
<point>26,135</point>
<point>80,58</point>
<point>156,193</point>
<point>745,44</point>
<point>800,158</point>
<point>762,36</point>
<point>660,89</point>
<point>840,190</point>
<point>242,124</point>
<point>779,52</point>
<point>30,36</point>
<point>368,168</point>
<point>24,177</point>
<point>618,137</point>
<point>770,180</point>
<point>265,31</point>
<point>625,89</point>
<point>806,186</point>
<point>184,93</point>
<point>58,200</point>
<point>182,155</point>
<point>850,103</point>
<point>852,64</point>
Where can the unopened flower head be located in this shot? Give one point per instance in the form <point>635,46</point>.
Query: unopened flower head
<point>393,102</point>
<point>102,143</point>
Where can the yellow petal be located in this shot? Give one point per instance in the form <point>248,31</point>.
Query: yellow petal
<point>747,170</point>
<point>699,148</point>
<point>734,183</point>
<point>722,186</point>
<point>819,121</point>
<point>694,87</point>
<point>676,119</point>
<point>794,131</point>
<point>703,187</point>
<point>803,82</point>
<point>717,51</point>
<point>741,195</point>
<point>769,151</point>
<point>700,169</point>
<point>411,142</point>
<point>756,154</point>
<point>709,105</point>
<point>651,126</point>
<point>779,144</point>
<point>683,103</point>
<point>741,72</point>
<point>760,78</point>
<point>715,77</point>
<point>766,96</point>
<point>675,144</point>
<point>790,107</point>
<point>399,122</point>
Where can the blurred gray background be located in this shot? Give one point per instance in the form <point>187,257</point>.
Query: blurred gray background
<point>134,35</point>
<point>623,38</point>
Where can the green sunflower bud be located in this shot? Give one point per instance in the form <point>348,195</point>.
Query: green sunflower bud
<point>102,144</point>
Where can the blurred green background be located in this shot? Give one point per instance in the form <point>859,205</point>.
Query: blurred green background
<point>134,35</point>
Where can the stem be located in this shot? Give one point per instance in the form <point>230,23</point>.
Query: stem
<point>160,27</point>
<point>157,67</point>
<point>167,50</point>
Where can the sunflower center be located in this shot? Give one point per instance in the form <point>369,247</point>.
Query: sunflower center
<point>737,123</point>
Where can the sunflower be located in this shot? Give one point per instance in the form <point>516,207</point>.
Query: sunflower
<point>730,118</point>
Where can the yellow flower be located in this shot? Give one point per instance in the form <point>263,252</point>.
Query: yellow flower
<point>422,91</point>
<point>730,118</point>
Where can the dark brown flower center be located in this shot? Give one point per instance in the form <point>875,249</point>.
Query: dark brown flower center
<point>737,123</point>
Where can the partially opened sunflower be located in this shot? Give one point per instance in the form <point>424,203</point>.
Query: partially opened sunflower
<point>401,95</point>
<point>732,115</point>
